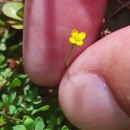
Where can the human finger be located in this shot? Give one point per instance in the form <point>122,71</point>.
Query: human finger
<point>95,91</point>
<point>47,28</point>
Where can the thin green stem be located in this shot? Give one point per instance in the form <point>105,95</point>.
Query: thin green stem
<point>70,54</point>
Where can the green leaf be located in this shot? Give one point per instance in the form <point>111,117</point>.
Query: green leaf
<point>2,23</point>
<point>19,100</point>
<point>3,66</point>
<point>28,123</point>
<point>6,35</point>
<point>5,98</point>
<point>29,107</point>
<point>27,98</point>
<point>44,108</point>
<point>6,72</point>
<point>15,83</point>
<point>1,105</point>
<point>65,128</point>
<point>2,58</point>
<point>11,109</point>
<point>12,96</point>
<point>15,24</point>
<point>59,120</point>
<point>19,127</point>
<point>33,93</point>
<point>20,13</point>
<point>14,47</point>
<point>1,78</point>
<point>22,76</point>
<point>37,101</point>
<point>2,47</point>
<point>2,119</point>
<point>10,9</point>
<point>39,126</point>
<point>38,119</point>
<point>26,89</point>
<point>53,120</point>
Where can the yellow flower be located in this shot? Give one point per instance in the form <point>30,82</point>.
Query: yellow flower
<point>77,38</point>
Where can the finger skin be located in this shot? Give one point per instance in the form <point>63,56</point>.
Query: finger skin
<point>110,59</point>
<point>47,28</point>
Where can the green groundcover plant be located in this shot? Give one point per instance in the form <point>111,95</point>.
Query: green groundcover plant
<point>23,106</point>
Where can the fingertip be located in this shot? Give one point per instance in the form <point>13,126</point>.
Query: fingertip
<point>88,103</point>
<point>47,27</point>
<point>109,59</point>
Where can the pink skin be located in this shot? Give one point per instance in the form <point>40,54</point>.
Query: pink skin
<point>47,28</point>
<point>85,90</point>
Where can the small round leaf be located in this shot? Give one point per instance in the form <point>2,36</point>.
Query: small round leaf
<point>38,119</point>
<point>15,83</point>
<point>10,9</point>
<point>2,47</point>
<point>11,109</point>
<point>20,12</point>
<point>19,100</point>
<point>15,24</point>
<point>37,101</point>
<point>29,107</point>
<point>39,126</point>
<point>28,123</point>
<point>27,98</point>
<point>12,96</point>
<point>65,128</point>
<point>19,127</point>
<point>2,58</point>
<point>5,98</point>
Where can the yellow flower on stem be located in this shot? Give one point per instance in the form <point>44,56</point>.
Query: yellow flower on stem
<point>76,38</point>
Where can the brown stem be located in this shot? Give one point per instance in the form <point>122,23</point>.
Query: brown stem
<point>122,3</point>
<point>119,9</point>
<point>9,117</point>
<point>3,123</point>
<point>2,83</point>
<point>12,72</point>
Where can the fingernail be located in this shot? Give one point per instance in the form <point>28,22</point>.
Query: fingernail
<point>88,103</point>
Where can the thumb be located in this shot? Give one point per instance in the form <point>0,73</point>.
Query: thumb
<point>95,91</point>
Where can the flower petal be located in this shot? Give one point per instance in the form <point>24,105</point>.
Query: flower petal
<point>82,35</point>
<point>79,43</point>
<point>72,40</point>
<point>78,38</point>
<point>74,33</point>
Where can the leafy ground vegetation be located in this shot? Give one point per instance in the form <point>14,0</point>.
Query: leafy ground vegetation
<point>22,105</point>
